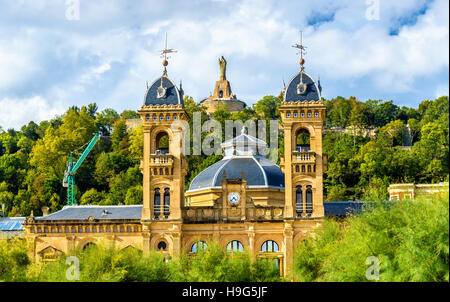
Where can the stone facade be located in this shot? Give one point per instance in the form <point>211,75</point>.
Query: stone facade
<point>412,191</point>
<point>267,220</point>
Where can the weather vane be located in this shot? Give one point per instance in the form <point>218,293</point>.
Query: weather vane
<point>164,54</point>
<point>302,50</point>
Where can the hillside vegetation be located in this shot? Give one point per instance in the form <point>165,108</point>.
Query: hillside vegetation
<point>33,159</point>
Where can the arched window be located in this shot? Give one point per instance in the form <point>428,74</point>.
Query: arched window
<point>162,246</point>
<point>198,246</point>
<point>220,94</point>
<point>157,203</point>
<point>235,246</point>
<point>309,168</point>
<point>297,169</point>
<point>269,246</point>
<point>303,140</point>
<point>303,168</point>
<point>299,200</point>
<point>309,200</point>
<point>88,245</point>
<point>166,202</point>
<point>162,143</point>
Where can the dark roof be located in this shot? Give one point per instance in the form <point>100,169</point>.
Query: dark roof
<point>172,97</point>
<point>11,224</point>
<point>312,91</point>
<point>98,212</point>
<point>342,208</point>
<point>259,171</point>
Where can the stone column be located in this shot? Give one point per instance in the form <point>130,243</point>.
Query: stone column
<point>147,206</point>
<point>251,242</point>
<point>288,248</point>
<point>176,241</point>
<point>289,210</point>
<point>146,236</point>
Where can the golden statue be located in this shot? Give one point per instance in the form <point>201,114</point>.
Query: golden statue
<point>223,68</point>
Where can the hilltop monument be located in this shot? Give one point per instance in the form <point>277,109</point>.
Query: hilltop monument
<point>222,93</point>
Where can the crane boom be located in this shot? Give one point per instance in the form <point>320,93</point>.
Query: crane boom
<point>69,174</point>
<point>86,152</point>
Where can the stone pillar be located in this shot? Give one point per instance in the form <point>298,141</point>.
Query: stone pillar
<point>251,243</point>
<point>147,205</point>
<point>146,237</point>
<point>289,210</point>
<point>288,248</point>
<point>177,245</point>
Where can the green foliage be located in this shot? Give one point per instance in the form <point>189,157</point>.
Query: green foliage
<point>13,259</point>
<point>410,239</point>
<point>92,197</point>
<point>215,264</point>
<point>106,263</point>
<point>360,166</point>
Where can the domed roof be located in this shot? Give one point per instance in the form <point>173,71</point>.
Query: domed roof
<point>163,92</point>
<point>259,172</point>
<point>311,91</point>
<point>242,154</point>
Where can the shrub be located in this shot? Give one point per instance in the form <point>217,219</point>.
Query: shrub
<point>410,239</point>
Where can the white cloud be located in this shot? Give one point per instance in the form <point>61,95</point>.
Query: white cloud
<point>442,90</point>
<point>17,62</point>
<point>15,113</point>
<point>108,55</point>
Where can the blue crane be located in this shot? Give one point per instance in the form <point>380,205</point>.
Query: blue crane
<point>69,174</point>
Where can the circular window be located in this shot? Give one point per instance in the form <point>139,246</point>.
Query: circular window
<point>309,114</point>
<point>316,114</point>
<point>302,115</point>
<point>288,115</point>
<point>162,246</point>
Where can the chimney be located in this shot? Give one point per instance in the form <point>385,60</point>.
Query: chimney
<point>45,210</point>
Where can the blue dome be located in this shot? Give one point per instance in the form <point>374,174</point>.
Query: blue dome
<point>168,95</point>
<point>311,92</point>
<point>259,172</point>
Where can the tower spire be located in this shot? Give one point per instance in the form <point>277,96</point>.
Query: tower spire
<point>302,51</point>
<point>164,54</point>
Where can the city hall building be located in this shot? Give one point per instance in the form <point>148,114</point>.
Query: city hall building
<point>243,202</point>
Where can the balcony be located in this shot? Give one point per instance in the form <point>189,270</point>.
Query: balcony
<point>303,157</point>
<point>161,160</point>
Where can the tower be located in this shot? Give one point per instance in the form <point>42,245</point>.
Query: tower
<point>303,114</point>
<point>164,164</point>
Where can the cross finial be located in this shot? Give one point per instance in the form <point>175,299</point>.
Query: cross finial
<point>164,54</point>
<point>302,50</point>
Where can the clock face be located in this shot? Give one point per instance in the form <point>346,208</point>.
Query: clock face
<point>234,197</point>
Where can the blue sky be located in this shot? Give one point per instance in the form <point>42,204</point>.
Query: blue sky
<point>49,63</point>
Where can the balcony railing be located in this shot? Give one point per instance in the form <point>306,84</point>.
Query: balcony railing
<point>159,160</point>
<point>303,157</point>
